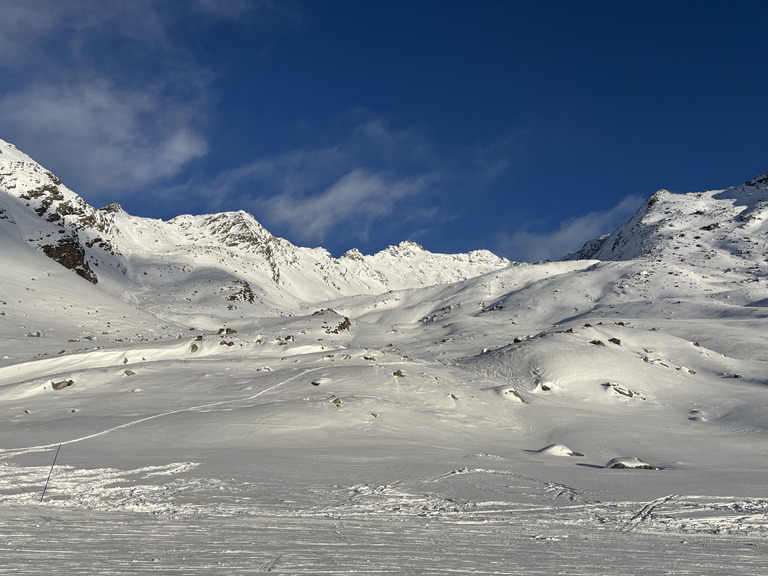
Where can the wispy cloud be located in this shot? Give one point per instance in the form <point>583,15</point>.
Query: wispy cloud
<point>107,91</point>
<point>530,245</point>
<point>357,201</point>
<point>21,27</point>
<point>357,183</point>
<point>294,172</point>
<point>236,9</point>
<point>44,33</point>
<point>118,138</point>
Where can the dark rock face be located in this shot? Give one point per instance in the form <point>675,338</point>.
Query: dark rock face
<point>243,292</point>
<point>69,253</point>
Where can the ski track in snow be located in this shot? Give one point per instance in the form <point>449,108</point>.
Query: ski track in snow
<point>11,452</point>
<point>645,512</point>
<point>38,539</point>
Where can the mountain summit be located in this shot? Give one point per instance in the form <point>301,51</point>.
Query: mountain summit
<point>229,253</point>
<point>717,228</point>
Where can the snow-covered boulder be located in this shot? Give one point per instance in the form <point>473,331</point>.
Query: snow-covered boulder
<point>629,463</point>
<point>559,450</point>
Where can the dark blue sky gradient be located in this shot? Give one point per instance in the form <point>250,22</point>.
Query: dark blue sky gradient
<point>522,127</point>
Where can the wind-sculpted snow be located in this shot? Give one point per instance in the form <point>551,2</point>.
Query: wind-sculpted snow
<point>222,402</point>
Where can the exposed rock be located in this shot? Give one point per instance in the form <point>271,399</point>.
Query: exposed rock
<point>345,324</point>
<point>622,390</point>
<point>62,384</point>
<point>516,394</point>
<point>629,464</point>
<point>69,253</point>
<point>353,254</point>
<point>112,208</point>
<point>243,293</point>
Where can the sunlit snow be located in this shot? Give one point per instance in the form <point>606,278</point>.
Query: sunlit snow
<point>234,404</point>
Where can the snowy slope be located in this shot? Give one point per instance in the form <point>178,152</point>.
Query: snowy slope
<point>222,402</point>
<point>713,229</point>
<point>210,260</point>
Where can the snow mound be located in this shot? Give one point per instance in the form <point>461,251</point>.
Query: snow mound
<point>629,463</point>
<point>559,450</point>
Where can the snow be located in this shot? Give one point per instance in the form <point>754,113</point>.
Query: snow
<point>628,462</point>
<point>559,450</point>
<point>403,413</point>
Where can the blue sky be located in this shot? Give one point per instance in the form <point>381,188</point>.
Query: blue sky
<point>525,128</point>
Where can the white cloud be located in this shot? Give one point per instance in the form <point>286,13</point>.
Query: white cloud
<point>100,90</point>
<point>376,134</point>
<point>111,91</point>
<point>42,32</point>
<point>291,172</point>
<point>530,246</point>
<point>372,173</point>
<point>357,200</point>
<point>493,159</point>
<point>113,139</point>
<point>21,25</point>
<point>234,9</point>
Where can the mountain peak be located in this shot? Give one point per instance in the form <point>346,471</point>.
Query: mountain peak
<point>353,254</point>
<point>759,179</point>
<point>237,228</point>
<point>9,153</point>
<point>113,208</point>
<point>724,228</point>
<point>405,248</point>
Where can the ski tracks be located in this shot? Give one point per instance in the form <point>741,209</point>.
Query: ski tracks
<point>269,566</point>
<point>12,452</point>
<point>645,513</point>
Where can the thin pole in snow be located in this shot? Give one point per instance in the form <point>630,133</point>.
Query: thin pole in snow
<point>49,473</point>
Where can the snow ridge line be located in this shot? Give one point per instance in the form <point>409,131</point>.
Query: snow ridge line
<point>11,452</point>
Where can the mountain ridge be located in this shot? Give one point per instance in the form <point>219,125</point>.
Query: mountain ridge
<point>699,226</point>
<point>103,244</point>
<point>229,261</point>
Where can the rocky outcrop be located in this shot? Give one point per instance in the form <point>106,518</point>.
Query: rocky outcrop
<point>69,253</point>
<point>215,252</point>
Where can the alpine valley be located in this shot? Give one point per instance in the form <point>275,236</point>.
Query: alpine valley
<point>198,396</point>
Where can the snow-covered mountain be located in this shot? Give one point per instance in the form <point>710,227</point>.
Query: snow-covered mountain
<point>266,407</point>
<point>229,254</point>
<point>713,229</point>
